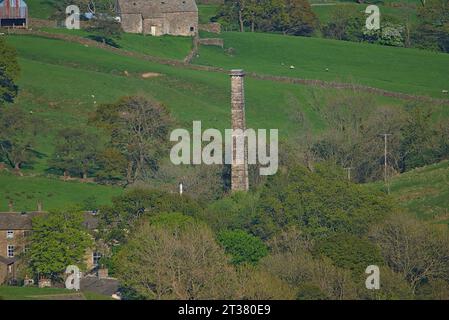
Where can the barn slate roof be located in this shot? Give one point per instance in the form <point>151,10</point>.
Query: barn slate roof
<point>155,8</point>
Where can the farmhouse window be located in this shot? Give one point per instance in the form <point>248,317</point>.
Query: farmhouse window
<point>10,252</point>
<point>96,256</point>
<point>9,234</point>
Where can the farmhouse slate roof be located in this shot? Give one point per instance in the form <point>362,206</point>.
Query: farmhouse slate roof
<point>156,8</point>
<point>23,221</point>
<point>16,220</point>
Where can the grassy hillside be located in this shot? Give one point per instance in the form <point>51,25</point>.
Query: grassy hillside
<point>40,9</point>
<point>396,69</point>
<point>424,191</point>
<point>206,12</point>
<point>25,192</point>
<point>171,47</point>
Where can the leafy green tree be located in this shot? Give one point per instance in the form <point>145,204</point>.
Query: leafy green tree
<point>288,16</point>
<point>17,134</point>
<point>433,28</point>
<point>321,203</point>
<point>350,252</point>
<point>130,208</point>
<point>243,247</point>
<point>76,152</point>
<point>59,239</point>
<point>346,23</point>
<point>9,72</point>
<point>105,31</point>
<point>418,146</point>
<point>138,129</point>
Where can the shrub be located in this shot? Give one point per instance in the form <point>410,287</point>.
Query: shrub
<point>243,247</point>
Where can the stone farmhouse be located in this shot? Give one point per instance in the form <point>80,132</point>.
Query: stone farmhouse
<point>159,17</point>
<point>15,228</point>
<point>15,231</point>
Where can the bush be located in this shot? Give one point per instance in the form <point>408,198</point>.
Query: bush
<point>350,252</point>
<point>243,247</point>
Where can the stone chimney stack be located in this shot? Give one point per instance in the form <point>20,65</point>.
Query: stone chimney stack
<point>239,180</point>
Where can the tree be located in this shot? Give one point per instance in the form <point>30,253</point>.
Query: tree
<point>350,252</point>
<point>301,20</point>
<point>433,28</point>
<point>257,284</point>
<point>9,72</point>
<point>130,208</point>
<point>76,152</point>
<point>415,249</point>
<point>321,203</point>
<point>170,261</point>
<point>17,133</point>
<point>105,30</point>
<point>243,247</point>
<point>58,240</point>
<point>288,16</point>
<point>418,146</point>
<point>138,129</point>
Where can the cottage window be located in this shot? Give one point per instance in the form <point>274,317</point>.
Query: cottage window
<point>10,252</point>
<point>9,234</point>
<point>96,256</point>
<point>192,29</point>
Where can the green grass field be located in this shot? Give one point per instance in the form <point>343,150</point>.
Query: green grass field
<point>206,12</point>
<point>55,194</point>
<point>34,293</point>
<point>170,47</point>
<point>40,9</point>
<point>424,192</point>
<point>395,69</point>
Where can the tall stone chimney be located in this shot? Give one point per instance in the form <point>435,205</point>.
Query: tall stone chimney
<point>239,180</point>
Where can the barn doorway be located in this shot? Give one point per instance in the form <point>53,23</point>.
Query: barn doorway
<point>153,30</point>
<point>13,23</point>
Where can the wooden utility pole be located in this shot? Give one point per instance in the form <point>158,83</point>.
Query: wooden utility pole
<point>385,135</point>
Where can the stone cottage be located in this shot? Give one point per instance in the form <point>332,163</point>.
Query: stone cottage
<point>15,228</point>
<point>15,231</point>
<point>159,17</point>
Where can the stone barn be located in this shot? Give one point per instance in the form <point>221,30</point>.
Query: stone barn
<point>159,17</point>
<point>13,13</point>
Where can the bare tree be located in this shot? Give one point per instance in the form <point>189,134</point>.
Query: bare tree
<point>417,250</point>
<point>181,263</point>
